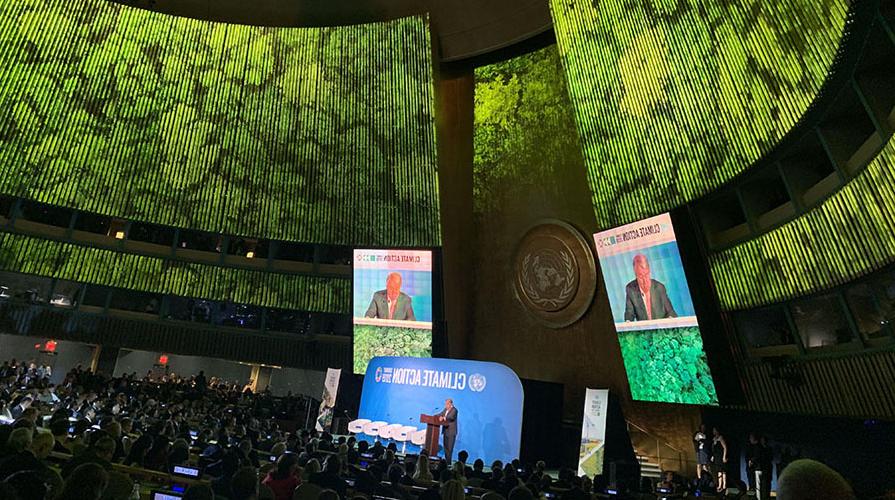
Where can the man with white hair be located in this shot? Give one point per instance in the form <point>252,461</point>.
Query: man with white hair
<point>645,298</point>
<point>29,454</point>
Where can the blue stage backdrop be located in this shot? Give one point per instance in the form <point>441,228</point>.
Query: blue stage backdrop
<point>488,398</point>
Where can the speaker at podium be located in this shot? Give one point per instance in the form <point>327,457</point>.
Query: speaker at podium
<point>433,430</point>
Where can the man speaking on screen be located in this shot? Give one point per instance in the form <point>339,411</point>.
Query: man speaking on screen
<point>391,303</point>
<point>646,298</point>
<point>448,416</point>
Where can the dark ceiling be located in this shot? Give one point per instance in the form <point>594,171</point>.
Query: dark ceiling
<point>463,28</point>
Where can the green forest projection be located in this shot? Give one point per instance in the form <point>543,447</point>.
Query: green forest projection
<point>96,266</point>
<point>847,236</point>
<point>667,365</point>
<point>524,129</point>
<point>674,97</point>
<point>371,341</point>
<point>322,135</point>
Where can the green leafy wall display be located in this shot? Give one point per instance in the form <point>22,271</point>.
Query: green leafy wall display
<point>96,266</point>
<point>847,236</point>
<point>673,98</point>
<point>372,340</point>
<point>524,131</point>
<point>667,365</point>
<point>319,135</point>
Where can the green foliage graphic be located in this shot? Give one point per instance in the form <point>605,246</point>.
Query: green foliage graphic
<point>847,236</point>
<point>667,365</point>
<point>96,266</point>
<point>675,97</point>
<point>524,128</point>
<point>371,341</point>
<point>321,135</point>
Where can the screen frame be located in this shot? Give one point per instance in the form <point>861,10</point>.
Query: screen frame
<point>694,265</point>
<point>715,327</point>
<point>439,338</point>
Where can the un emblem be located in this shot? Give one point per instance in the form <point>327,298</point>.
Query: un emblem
<point>378,375</point>
<point>477,382</point>
<point>555,273</point>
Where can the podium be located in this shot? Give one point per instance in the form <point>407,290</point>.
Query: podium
<point>433,429</point>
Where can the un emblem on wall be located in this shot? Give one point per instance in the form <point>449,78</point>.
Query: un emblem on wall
<point>555,273</point>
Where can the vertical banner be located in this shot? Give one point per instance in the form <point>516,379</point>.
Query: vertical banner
<point>328,400</point>
<point>593,432</point>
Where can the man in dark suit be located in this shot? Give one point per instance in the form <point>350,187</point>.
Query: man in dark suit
<point>646,298</point>
<point>448,417</point>
<point>391,303</point>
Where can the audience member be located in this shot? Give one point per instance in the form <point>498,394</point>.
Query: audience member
<point>452,490</point>
<point>244,484</point>
<point>811,480</point>
<point>87,481</point>
<point>284,478</point>
<point>423,474</point>
<point>329,478</point>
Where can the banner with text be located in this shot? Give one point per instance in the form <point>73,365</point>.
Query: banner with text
<point>488,398</point>
<point>328,400</point>
<point>593,432</point>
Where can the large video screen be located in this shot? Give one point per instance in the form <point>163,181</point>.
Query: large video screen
<point>653,313</point>
<point>392,305</point>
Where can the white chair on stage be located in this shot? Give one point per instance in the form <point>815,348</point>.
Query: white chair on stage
<point>388,431</point>
<point>418,437</point>
<point>404,433</point>
<point>357,426</point>
<point>372,428</point>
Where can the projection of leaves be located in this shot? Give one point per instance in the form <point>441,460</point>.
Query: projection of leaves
<point>319,135</point>
<point>71,262</point>
<point>849,235</point>
<point>524,130</point>
<point>673,98</point>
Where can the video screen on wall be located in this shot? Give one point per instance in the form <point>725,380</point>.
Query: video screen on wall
<point>392,305</point>
<point>653,313</point>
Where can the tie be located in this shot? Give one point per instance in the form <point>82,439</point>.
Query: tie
<point>391,308</point>
<point>649,305</point>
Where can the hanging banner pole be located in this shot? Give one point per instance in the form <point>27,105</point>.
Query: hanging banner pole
<point>328,400</point>
<point>593,432</point>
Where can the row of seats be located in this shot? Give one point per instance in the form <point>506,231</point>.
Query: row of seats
<point>385,430</point>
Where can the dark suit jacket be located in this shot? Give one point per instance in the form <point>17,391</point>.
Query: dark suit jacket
<point>635,309</point>
<point>379,307</point>
<point>450,426</point>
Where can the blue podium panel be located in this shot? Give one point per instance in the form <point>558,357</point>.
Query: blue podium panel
<point>488,398</point>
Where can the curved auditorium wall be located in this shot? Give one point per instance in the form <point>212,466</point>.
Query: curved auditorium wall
<point>674,98</point>
<point>317,135</point>
<point>847,236</point>
<point>96,266</point>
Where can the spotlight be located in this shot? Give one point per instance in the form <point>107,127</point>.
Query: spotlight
<point>250,254</point>
<point>119,235</point>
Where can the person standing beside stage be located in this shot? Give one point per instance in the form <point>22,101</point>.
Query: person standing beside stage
<point>719,458</point>
<point>753,464</point>
<point>701,442</point>
<point>448,417</point>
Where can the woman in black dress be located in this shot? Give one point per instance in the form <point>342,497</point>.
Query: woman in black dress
<point>719,458</point>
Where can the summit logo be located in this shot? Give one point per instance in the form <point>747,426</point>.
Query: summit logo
<point>477,382</point>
